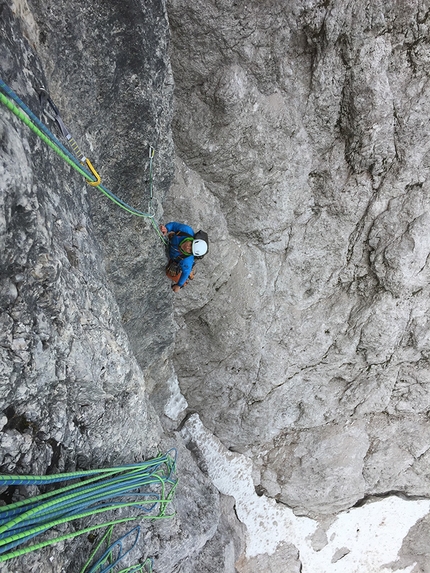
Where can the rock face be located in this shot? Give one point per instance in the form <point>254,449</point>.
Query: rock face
<point>301,139</point>
<point>307,124</point>
<point>86,322</point>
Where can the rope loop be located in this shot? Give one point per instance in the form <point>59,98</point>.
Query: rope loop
<point>136,492</point>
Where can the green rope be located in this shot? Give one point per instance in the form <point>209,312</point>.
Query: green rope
<point>25,119</point>
<point>115,553</point>
<point>139,568</point>
<point>88,176</point>
<point>42,544</point>
<point>109,490</point>
<point>106,536</point>
<point>49,479</point>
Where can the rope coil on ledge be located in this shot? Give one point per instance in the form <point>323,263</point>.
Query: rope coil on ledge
<point>140,491</point>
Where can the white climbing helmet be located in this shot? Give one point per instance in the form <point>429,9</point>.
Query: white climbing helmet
<point>200,248</point>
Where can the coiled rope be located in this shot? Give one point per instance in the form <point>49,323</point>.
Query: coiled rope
<point>138,491</point>
<point>116,553</point>
<point>21,111</point>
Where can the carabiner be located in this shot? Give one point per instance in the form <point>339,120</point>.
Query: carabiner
<point>94,172</point>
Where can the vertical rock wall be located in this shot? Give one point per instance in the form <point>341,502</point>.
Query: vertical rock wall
<point>58,303</point>
<point>302,137</point>
<point>109,71</point>
<point>86,314</point>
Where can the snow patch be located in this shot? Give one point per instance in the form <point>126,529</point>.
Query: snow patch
<point>361,540</point>
<point>177,402</point>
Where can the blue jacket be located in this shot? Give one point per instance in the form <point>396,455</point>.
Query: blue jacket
<point>186,263</point>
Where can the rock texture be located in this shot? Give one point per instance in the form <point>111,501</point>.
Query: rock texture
<point>86,322</point>
<point>302,138</point>
<point>364,539</point>
<point>307,123</point>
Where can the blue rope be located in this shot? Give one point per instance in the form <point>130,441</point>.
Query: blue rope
<point>11,94</point>
<point>121,554</point>
<point>121,490</point>
<point>155,463</point>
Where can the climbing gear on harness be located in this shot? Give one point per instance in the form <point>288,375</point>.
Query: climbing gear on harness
<point>173,270</point>
<point>33,122</point>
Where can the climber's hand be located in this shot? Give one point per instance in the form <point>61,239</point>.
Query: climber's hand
<point>176,288</point>
<point>163,229</point>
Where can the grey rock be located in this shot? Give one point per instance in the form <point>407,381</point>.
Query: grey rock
<point>308,124</point>
<point>415,549</point>
<point>286,558</point>
<point>301,146</point>
<point>319,468</point>
<point>86,310</point>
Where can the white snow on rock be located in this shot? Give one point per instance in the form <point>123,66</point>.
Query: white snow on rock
<point>177,402</point>
<point>362,540</point>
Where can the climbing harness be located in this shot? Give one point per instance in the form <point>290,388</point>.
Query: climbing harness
<point>137,491</point>
<point>173,270</point>
<point>20,110</point>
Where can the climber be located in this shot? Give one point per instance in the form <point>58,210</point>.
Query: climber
<point>184,248</point>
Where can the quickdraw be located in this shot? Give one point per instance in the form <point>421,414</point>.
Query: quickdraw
<point>44,98</point>
<point>20,110</point>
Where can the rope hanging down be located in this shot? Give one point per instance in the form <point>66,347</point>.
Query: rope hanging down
<point>151,195</point>
<point>33,122</point>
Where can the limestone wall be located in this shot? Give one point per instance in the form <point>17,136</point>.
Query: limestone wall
<point>296,134</point>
